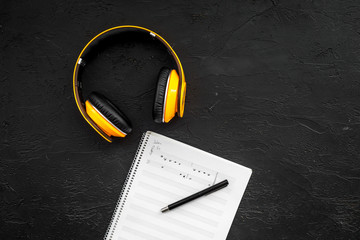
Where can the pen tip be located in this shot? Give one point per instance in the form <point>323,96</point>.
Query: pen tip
<point>164,209</point>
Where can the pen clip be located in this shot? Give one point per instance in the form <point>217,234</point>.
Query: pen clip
<point>223,184</point>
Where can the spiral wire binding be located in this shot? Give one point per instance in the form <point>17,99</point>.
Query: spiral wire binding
<point>125,190</point>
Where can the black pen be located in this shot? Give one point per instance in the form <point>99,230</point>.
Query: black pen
<point>204,192</point>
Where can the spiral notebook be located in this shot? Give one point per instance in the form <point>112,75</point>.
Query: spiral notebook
<point>164,171</point>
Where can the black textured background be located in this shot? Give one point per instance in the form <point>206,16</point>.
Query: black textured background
<point>273,85</point>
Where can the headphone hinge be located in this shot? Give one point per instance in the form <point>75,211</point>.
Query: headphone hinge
<point>81,62</point>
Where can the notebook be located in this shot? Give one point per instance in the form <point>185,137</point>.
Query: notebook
<point>164,171</point>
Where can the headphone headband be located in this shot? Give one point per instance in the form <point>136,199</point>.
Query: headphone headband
<point>108,33</point>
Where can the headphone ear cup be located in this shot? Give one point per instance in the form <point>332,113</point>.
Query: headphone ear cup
<point>107,116</point>
<point>158,110</point>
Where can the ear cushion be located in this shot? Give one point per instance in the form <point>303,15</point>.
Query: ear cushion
<point>111,112</point>
<point>158,109</point>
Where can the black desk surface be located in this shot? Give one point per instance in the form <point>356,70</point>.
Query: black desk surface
<point>273,85</point>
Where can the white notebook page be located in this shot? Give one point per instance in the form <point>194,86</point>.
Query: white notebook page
<point>166,171</point>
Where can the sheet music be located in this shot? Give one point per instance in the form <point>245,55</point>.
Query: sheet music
<point>169,171</point>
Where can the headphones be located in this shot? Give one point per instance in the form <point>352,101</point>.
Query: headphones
<point>104,116</point>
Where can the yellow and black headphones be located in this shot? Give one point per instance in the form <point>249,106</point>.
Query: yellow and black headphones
<point>105,117</point>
